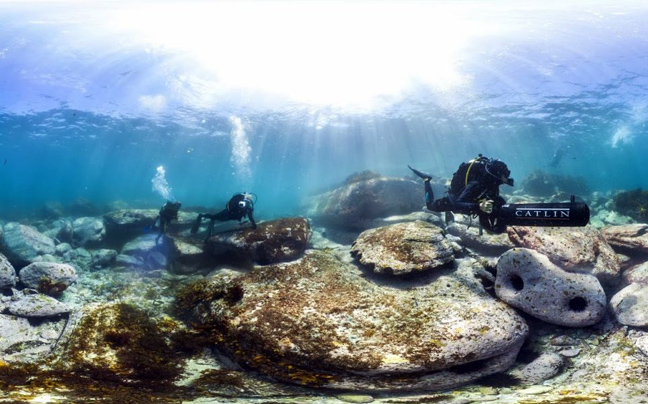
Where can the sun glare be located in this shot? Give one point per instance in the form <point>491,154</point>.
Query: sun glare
<point>338,53</point>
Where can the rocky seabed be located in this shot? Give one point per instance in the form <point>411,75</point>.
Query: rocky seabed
<point>409,310</point>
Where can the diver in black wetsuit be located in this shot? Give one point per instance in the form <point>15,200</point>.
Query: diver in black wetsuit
<point>474,190</point>
<point>168,212</point>
<point>239,206</point>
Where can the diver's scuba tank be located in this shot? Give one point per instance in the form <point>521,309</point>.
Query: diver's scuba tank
<point>564,214</point>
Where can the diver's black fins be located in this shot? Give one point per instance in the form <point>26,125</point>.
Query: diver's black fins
<point>426,177</point>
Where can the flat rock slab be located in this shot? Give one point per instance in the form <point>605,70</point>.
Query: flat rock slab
<point>403,248</point>
<point>318,321</point>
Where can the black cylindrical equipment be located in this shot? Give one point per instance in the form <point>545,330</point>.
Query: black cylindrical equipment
<point>569,214</point>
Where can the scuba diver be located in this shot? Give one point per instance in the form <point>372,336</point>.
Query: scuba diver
<point>168,212</point>
<point>474,190</point>
<point>239,206</point>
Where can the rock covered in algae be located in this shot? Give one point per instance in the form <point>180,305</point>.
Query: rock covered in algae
<point>528,280</point>
<point>403,248</point>
<point>50,278</point>
<point>318,321</point>
<point>271,242</point>
<point>119,342</point>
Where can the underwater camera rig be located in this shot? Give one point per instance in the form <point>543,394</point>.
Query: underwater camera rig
<point>564,214</point>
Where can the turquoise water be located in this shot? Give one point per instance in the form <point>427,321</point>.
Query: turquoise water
<point>287,99</point>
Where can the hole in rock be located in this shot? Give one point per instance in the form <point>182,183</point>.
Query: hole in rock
<point>517,282</point>
<point>578,304</point>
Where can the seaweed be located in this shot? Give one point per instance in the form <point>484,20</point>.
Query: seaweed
<point>632,203</point>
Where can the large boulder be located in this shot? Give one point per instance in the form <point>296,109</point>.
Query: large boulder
<point>88,231</point>
<point>630,305</point>
<point>271,242</point>
<point>122,225</point>
<point>403,248</point>
<point>187,257</point>
<point>23,244</point>
<point>355,204</point>
<point>319,321</point>
<point>148,251</point>
<point>50,278</point>
<point>581,250</point>
<point>528,280</point>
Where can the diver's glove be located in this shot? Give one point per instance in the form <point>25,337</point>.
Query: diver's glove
<point>486,206</point>
<point>426,177</point>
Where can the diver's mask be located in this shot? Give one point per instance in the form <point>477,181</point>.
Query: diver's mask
<point>242,204</point>
<point>499,170</point>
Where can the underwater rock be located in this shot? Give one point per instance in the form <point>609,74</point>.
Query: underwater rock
<point>83,207</point>
<point>355,204</point>
<point>78,257</point>
<point>123,225</point>
<point>632,203</point>
<point>630,305</point>
<point>53,210</point>
<point>582,250</point>
<point>23,341</point>
<point>127,261</point>
<point>528,280</point>
<point>7,274</point>
<point>271,242</point>
<point>631,237</point>
<point>609,218</point>
<point>488,244</point>
<point>187,258</point>
<point>320,322</point>
<point>88,231</point>
<point>36,305</point>
<point>117,342</point>
<point>403,248</point>
<point>636,274</point>
<point>60,230</point>
<point>49,278</point>
<point>149,251</point>
<point>103,258</point>
<point>542,183</point>
<point>13,330</point>
<point>22,244</point>
<point>544,367</point>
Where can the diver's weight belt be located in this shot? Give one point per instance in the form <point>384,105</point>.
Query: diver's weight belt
<point>570,214</point>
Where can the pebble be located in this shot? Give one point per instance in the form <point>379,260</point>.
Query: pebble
<point>570,353</point>
<point>352,398</point>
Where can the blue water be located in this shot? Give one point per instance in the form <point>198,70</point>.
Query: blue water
<point>94,98</point>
